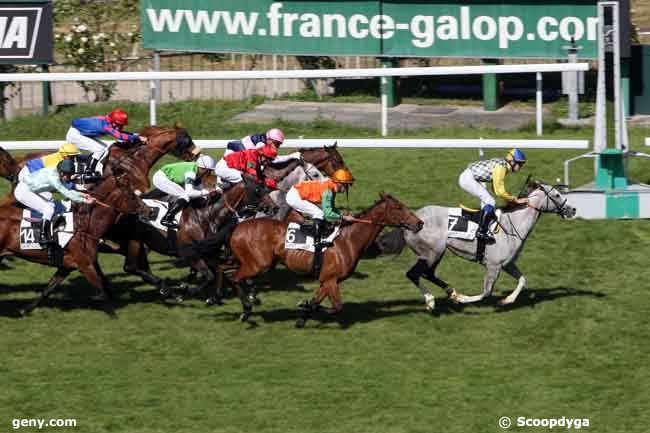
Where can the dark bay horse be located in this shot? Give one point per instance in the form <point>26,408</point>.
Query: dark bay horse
<point>203,228</point>
<point>90,222</point>
<point>258,244</point>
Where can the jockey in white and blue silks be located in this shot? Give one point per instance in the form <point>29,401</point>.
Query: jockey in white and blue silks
<point>273,136</point>
<point>85,133</point>
<point>473,180</point>
<point>30,189</point>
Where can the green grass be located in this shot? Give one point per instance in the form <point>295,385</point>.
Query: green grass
<point>575,345</point>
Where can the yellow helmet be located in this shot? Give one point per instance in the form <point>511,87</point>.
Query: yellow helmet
<point>68,149</point>
<point>342,175</point>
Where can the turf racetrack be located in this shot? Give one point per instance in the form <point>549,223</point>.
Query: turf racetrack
<point>574,345</point>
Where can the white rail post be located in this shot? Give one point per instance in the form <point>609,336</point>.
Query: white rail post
<point>539,110</point>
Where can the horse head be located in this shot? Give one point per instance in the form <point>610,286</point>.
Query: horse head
<point>391,212</point>
<point>327,159</point>
<point>547,198</point>
<point>8,166</point>
<point>176,140</point>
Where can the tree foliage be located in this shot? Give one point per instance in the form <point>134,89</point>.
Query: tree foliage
<point>96,36</point>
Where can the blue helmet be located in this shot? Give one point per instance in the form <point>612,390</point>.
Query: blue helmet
<point>516,155</point>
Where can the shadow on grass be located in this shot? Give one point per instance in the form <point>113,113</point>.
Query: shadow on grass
<point>368,311</point>
<point>76,293</point>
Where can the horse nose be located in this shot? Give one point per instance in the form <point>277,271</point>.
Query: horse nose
<point>420,225</point>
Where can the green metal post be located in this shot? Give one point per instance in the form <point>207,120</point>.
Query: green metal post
<point>388,86</point>
<point>491,100</point>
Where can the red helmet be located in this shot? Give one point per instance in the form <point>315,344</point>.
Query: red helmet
<point>268,151</point>
<point>119,117</point>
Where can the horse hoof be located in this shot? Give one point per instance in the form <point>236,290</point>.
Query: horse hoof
<point>304,305</point>
<point>243,317</point>
<point>300,323</point>
<point>430,303</point>
<point>213,301</point>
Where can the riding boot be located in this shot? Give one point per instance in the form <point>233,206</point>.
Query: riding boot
<point>91,166</point>
<point>169,219</point>
<point>485,219</point>
<point>46,234</point>
<point>319,229</point>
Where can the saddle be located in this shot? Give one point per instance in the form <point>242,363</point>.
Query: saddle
<point>301,237</point>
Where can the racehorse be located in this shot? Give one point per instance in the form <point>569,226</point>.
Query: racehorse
<point>259,243</point>
<point>202,228</point>
<point>516,224</point>
<point>90,223</point>
<point>136,161</point>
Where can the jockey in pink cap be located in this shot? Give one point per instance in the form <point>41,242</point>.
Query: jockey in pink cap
<point>272,137</point>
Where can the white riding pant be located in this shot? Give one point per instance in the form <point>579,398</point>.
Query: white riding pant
<point>303,206</point>
<point>24,172</point>
<point>162,182</point>
<point>34,201</point>
<point>467,182</point>
<point>98,148</point>
<point>226,173</point>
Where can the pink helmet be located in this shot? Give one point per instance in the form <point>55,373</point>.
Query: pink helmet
<point>276,135</point>
<point>268,151</point>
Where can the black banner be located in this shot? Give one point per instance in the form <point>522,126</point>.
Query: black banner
<point>26,32</point>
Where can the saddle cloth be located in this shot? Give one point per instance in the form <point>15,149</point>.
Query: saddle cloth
<point>62,226</point>
<point>463,224</point>
<point>160,211</point>
<point>297,239</point>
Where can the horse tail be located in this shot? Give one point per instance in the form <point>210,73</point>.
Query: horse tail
<point>392,242</point>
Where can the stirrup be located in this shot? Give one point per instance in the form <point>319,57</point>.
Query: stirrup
<point>169,224</point>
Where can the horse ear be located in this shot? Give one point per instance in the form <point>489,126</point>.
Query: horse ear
<point>178,124</point>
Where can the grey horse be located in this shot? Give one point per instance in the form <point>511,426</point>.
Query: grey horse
<point>516,224</point>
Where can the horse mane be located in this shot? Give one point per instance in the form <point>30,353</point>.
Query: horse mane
<point>383,197</point>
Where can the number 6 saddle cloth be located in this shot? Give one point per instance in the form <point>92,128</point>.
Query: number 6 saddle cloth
<point>300,238</point>
<point>462,223</point>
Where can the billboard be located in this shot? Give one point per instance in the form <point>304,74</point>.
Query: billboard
<point>393,28</point>
<point>25,32</point>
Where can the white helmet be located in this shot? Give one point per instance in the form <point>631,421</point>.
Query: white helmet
<point>206,161</point>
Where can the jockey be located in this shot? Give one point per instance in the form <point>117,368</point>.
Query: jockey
<point>30,189</point>
<point>249,161</point>
<point>183,181</point>
<point>84,132</point>
<point>473,179</point>
<point>272,137</point>
<point>305,196</point>
<point>66,151</point>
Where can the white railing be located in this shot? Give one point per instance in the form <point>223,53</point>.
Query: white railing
<point>359,143</point>
<point>152,77</point>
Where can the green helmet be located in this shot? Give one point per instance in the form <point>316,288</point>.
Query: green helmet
<point>66,166</point>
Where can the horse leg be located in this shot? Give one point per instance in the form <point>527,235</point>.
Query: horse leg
<point>92,274</point>
<point>57,278</point>
<point>491,275</point>
<point>136,263</point>
<point>512,270</point>
<point>420,269</point>
<point>245,271</point>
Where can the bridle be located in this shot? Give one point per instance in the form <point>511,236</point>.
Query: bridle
<point>559,209</point>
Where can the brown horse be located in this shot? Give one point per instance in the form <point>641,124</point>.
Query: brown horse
<point>90,221</point>
<point>258,244</point>
<point>136,161</point>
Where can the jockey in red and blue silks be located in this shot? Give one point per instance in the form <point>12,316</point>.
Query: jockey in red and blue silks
<point>85,133</point>
<point>272,137</point>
